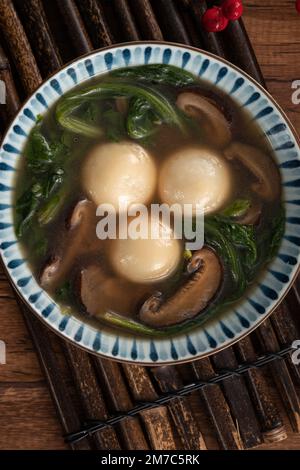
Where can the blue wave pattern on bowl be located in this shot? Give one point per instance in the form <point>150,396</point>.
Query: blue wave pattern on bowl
<point>217,332</point>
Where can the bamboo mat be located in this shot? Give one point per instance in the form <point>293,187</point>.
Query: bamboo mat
<point>151,409</point>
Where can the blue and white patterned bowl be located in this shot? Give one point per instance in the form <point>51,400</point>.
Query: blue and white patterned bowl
<point>272,286</point>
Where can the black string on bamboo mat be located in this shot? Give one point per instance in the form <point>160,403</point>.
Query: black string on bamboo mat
<point>93,426</point>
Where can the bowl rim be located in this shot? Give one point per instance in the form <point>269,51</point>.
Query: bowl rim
<point>198,355</point>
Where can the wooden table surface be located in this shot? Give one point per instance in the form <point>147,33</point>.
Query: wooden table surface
<point>27,415</point>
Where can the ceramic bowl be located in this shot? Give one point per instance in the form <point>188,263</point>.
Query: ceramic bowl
<point>217,333</point>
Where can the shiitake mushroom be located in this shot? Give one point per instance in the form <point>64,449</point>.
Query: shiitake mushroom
<point>261,165</point>
<point>205,275</point>
<point>78,237</point>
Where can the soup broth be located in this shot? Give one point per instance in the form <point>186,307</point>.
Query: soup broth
<point>149,134</point>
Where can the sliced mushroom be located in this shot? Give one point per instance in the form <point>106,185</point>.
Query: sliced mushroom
<point>80,237</point>
<point>100,292</point>
<point>192,297</point>
<point>260,165</point>
<point>212,119</point>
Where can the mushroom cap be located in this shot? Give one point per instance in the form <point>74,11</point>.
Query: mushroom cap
<point>191,298</point>
<point>146,260</point>
<point>212,118</point>
<point>195,175</point>
<point>122,171</point>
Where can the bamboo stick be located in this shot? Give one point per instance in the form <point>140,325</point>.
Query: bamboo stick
<point>286,332</point>
<point>238,398</point>
<point>111,377</point>
<point>217,407</point>
<point>42,43</point>
<point>156,420</point>
<point>169,380</point>
<point>269,416</point>
<point>97,26</point>
<point>170,21</point>
<point>74,24</point>
<point>145,19</point>
<point>189,22</point>
<point>125,20</point>
<point>90,395</point>
<point>281,375</point>
<point>12,102</point>
<point>19,47</point>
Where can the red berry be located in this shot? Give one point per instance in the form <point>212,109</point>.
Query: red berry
<point>298,6</point>
<point>213,20</point>
<point>232,9</point>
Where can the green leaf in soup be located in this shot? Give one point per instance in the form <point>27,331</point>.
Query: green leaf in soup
<point>26,206</point>
<point>141,119</point>
<point>243,236</point>
<point>26,214</point>
<point>53,183</point>
<point>277,232</point>
<point>114,125</point>
<point>60,153</point>
<point>117,320</point>
<point>51,207</point>
<point>70,103</point>
<point>64,293</point>
<point>38,153</point>
<point>237,209</point>
<point>217,238</point>
<point>92,113</point>
<point>157,73</point>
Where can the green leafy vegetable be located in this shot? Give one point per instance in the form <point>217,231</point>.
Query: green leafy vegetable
<point>49,210</point>
<point>237,209</point>
<point>38,152</point>
<point>141,120</point>
<point>64,293</point>
<point>243,237</point>
<point>114,125</point>
<point>277,232</point>
<point>216,237</point>
<point>46,162</point>
<point>118,320</point>
<point>70,103</point>
<point>26,207</point>
<point>157,73</point>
